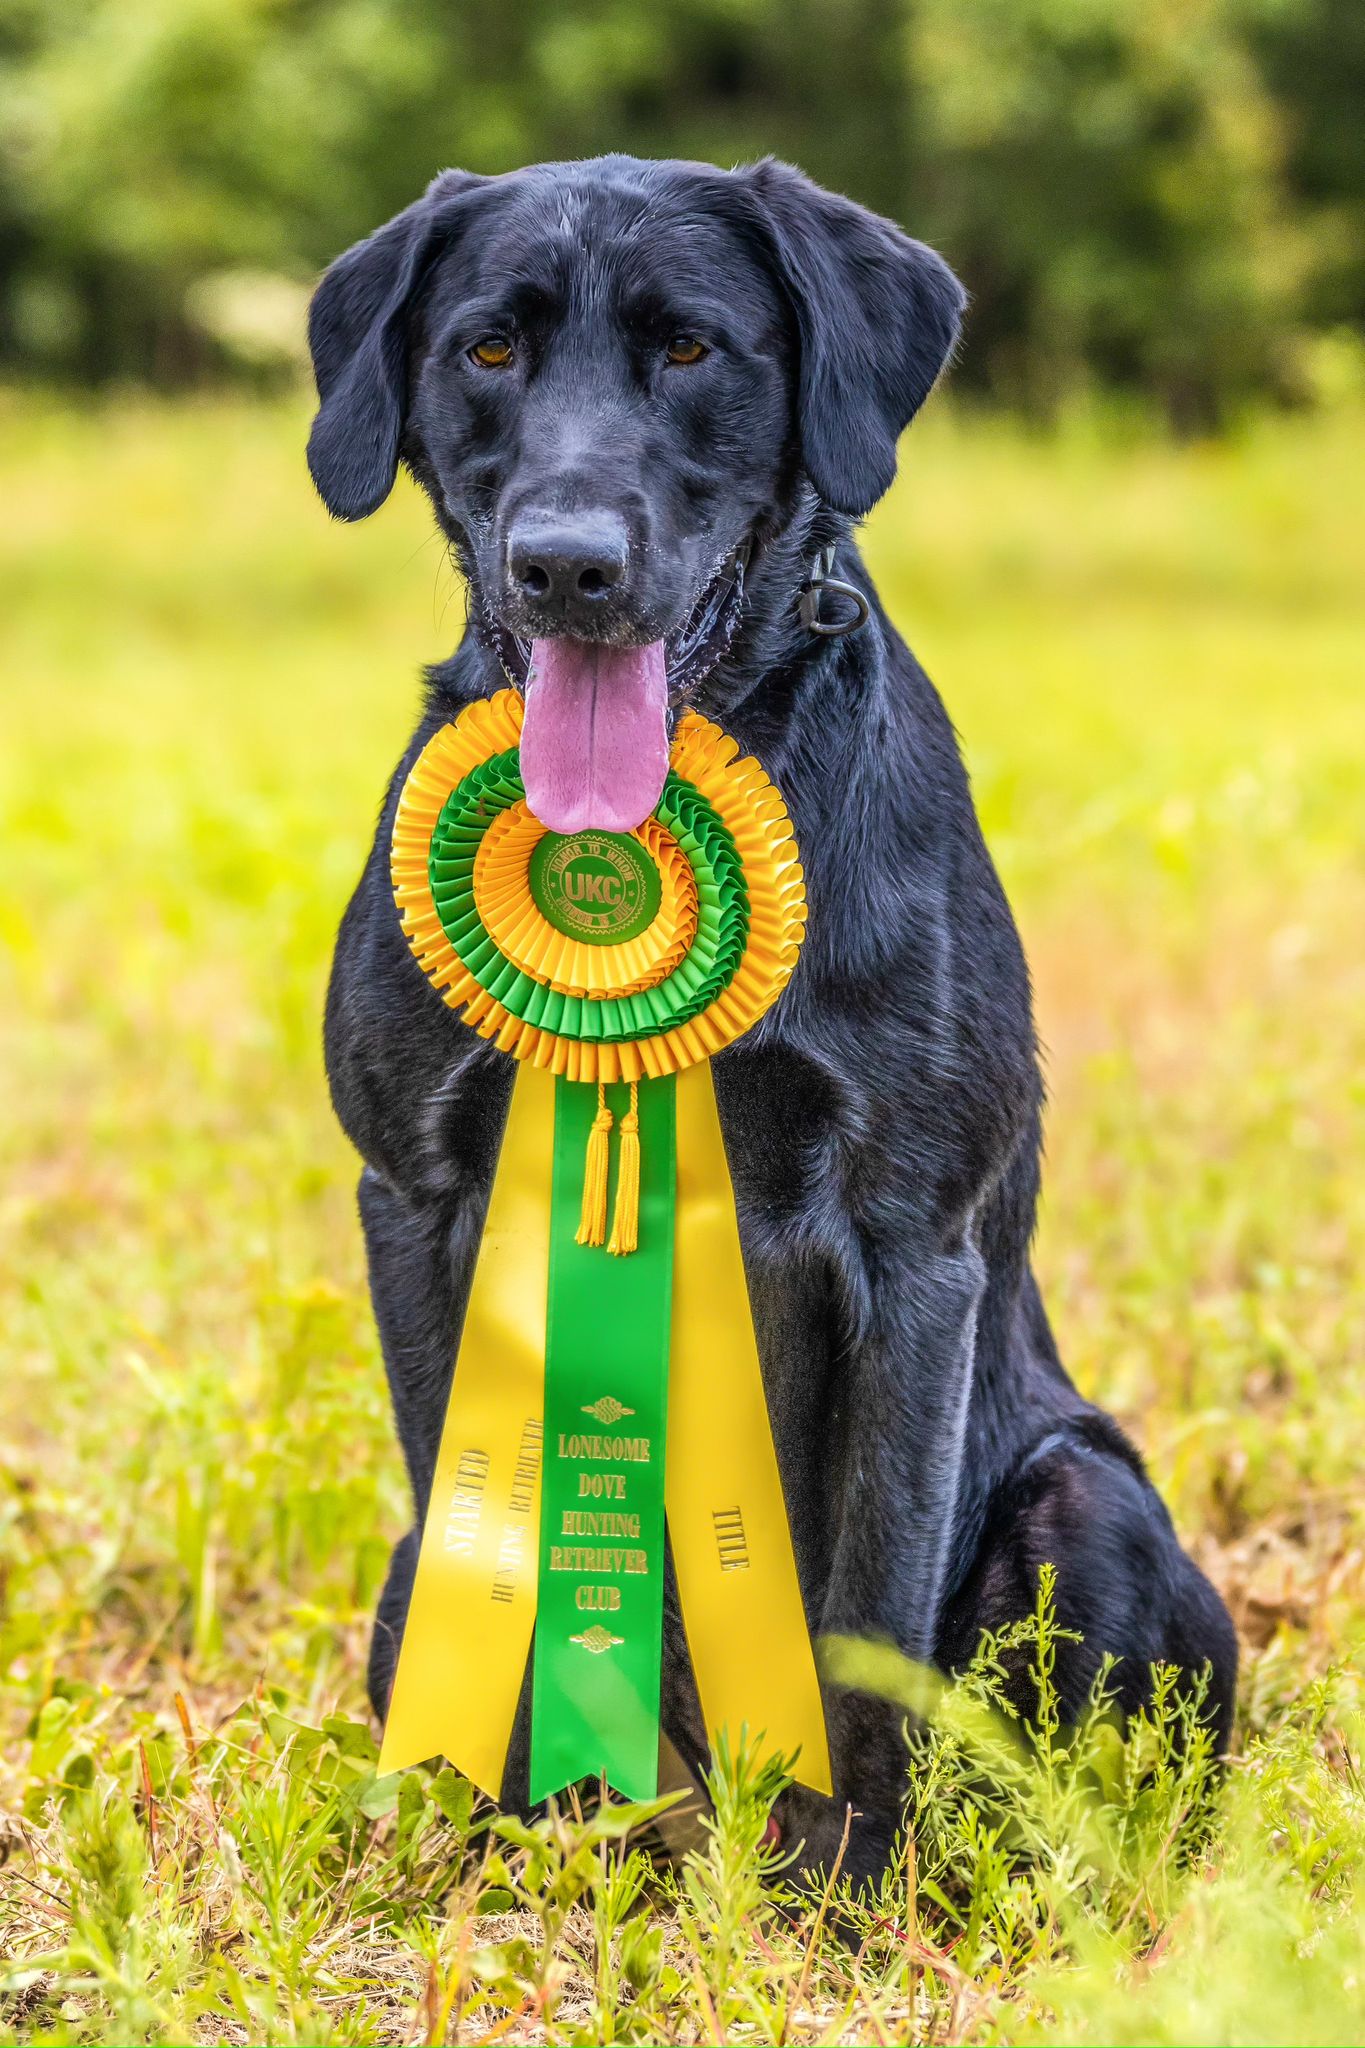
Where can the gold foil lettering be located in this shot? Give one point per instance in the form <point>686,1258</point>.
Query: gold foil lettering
<point>598,1599</point>
<point>601,1486</point>
<point>574,1557</point>
<point>731,1541</point>
<point>610,1450</point>
<point>512,1548</point>
<point>466,1502</point>
<point>582,1522</point>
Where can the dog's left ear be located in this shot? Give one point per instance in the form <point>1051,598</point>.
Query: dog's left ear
<point>358,333</point>
<point>877,314</point>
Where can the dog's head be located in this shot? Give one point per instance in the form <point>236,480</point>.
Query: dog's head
<point>614,379</point>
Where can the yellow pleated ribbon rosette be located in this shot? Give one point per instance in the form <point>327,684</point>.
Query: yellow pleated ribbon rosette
<point>600,956</point>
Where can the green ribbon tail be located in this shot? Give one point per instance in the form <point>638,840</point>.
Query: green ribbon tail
<point>599,1619</point>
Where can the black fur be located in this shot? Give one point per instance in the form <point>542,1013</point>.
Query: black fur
<point>883,1121</point>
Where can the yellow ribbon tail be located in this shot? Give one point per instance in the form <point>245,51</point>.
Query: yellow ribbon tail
<point>473,1605</point>
<point>625,1228</point>
<point>741,1599</point>
<point>468,1634</point>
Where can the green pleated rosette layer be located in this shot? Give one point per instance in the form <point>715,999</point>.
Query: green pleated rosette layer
<point>707,969</point>
<point>599,956</point>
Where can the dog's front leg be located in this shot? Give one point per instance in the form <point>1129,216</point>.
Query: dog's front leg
<point>908,1390</point>
<point>902,1414</point>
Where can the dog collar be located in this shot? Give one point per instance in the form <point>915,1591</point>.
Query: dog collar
<point>610,967</point>
<point>820,579</point>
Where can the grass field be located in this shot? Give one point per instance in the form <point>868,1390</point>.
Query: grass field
<point>1155,658</point>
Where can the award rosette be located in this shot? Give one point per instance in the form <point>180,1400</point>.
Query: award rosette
<point>607,1377</point>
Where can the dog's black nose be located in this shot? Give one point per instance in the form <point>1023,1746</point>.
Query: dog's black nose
<point>570,563</point>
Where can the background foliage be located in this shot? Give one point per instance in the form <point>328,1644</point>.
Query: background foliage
<point>1161,196</point>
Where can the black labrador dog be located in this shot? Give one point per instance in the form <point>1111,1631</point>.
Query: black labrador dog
<point>645,399</point>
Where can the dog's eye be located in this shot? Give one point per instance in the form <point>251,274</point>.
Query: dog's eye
<point>494,352</point>
<point>685,348</point>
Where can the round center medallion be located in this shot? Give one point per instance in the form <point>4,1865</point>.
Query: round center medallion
<point>598,886</point>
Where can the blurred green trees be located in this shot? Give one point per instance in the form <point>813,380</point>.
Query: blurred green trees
<point>1164,196</point>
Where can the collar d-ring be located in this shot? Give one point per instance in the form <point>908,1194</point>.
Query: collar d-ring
<point>821,578</point>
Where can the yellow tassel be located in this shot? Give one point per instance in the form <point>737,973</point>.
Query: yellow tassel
<point>592,1218</point>
<point>625,1225</point>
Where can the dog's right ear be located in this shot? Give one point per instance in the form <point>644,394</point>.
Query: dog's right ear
<point>358,333</point>
<point>877,317</point>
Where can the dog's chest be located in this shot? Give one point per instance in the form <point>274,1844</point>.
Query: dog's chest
<point>789,1129</point>
<point>787,1125</point>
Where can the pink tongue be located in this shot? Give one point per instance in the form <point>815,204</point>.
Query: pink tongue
<point>594,745</point>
